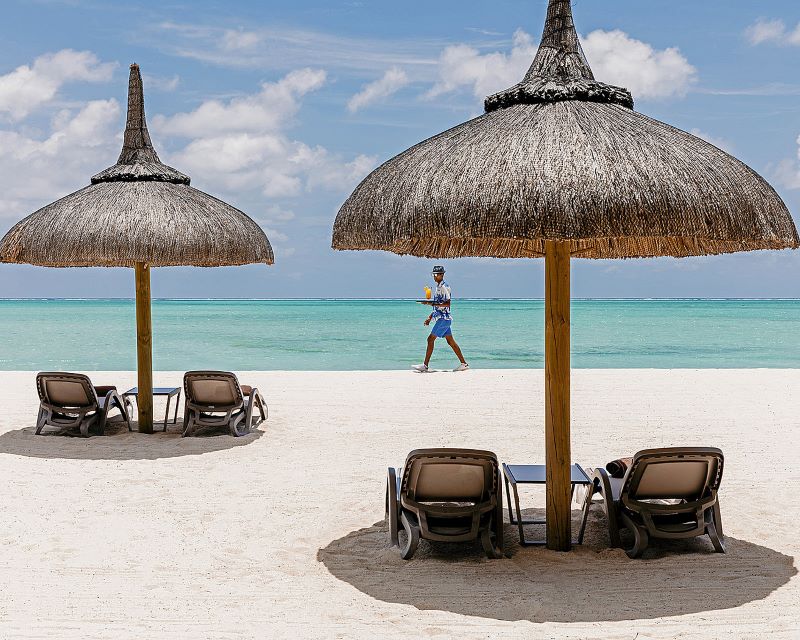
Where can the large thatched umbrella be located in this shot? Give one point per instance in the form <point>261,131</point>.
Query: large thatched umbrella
<point>138,213</point>
<point>561,165</point>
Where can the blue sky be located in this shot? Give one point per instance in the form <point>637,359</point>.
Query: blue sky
<point>282,107</point>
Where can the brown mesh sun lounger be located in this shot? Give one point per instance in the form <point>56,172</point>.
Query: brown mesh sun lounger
<point>665,493</point>
<point>69,400</point>
<point>216,399</point>
<point>446,495</point>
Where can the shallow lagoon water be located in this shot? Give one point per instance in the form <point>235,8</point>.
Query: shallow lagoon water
<point>388,334</point>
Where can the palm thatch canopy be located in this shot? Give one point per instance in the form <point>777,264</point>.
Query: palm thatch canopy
<point>137,211</point>
<point>561,156</point>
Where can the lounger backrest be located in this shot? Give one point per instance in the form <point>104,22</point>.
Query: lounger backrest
<point>688,473</point>
<point>450,475</point>
<point>68,390</point>
<point>213,389</point>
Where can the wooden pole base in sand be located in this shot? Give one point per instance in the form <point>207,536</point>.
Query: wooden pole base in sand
<point>144,348</point>
<point>556,394</point>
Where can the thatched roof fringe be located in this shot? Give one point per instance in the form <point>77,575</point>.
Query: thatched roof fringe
<point>595,175</point>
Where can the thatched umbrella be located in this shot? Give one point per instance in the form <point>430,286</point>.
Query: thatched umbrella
<point>561,165</point>
<point>138,213</point>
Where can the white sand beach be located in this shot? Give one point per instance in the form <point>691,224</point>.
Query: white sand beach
<point>278,534</point>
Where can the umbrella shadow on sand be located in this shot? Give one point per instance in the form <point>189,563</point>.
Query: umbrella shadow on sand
<point>119,444</point>
<point>592,584</point>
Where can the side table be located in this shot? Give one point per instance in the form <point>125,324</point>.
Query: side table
<point>515,474</point>
<point>169,392</point>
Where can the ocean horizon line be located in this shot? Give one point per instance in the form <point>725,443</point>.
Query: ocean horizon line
<point>396,299</point>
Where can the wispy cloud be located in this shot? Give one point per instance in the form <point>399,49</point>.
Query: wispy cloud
<point>388,84</point>
<point>770,89</point>
<point>772,31</point>
<point>284,49</point>
<point>161,83</point>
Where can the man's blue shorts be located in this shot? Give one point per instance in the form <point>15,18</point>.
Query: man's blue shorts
<point>441,329</point>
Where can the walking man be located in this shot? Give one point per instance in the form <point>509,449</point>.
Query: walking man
<point>441,323</point>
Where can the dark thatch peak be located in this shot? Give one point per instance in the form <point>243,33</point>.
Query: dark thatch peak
<point>138,159</point>
<point>559,71</point>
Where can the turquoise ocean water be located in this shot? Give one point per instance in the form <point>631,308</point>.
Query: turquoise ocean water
<point>388,334</point>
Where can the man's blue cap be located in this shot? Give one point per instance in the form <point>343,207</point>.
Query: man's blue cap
<point>438,269</point>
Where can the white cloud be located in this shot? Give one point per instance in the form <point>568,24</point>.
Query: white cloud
<point>721,143</point>
<point>614,56</point>
<point>36,170</point>
<point>390,83</point>
<point>787,171</point>
<point>28,87</point>
<point>618,59</point>
<point>463,66</point>
<point>243,145</point>
<point>267,110</point>
<point>775,31</point>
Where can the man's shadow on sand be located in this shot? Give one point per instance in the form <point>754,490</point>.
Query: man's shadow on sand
<point>593,583</point>
<point>119,444</point>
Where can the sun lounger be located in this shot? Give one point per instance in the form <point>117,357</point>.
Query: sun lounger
<point>665,493</point>
<point>69,400</point>
<point>216,399</point>
<point>446,495</point>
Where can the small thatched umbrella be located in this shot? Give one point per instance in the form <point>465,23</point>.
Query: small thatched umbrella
<point>560,165</point>
<point>138,213</point>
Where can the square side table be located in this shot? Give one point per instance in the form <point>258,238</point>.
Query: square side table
<point>515,474</point>
<point>169,392</point>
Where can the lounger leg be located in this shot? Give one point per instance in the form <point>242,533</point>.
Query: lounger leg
<point>237,420</point>
<point>412,538</point>
<point>41,420</point>
<point>391,507</point>
<point>256,397</point>
<point>187,422</point>
<point>718,519</point>
<point>713,533</point>
<point>602,484</point>
<point>641,539</point>
<point>492,551</point>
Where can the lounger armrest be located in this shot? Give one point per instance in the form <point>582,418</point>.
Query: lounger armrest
<point>255,397</point>
<point>112,395</point>
<point>602,484</point>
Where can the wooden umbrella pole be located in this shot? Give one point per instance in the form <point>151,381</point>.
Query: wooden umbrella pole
<point>557,392</point>
<point>144,348</point>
